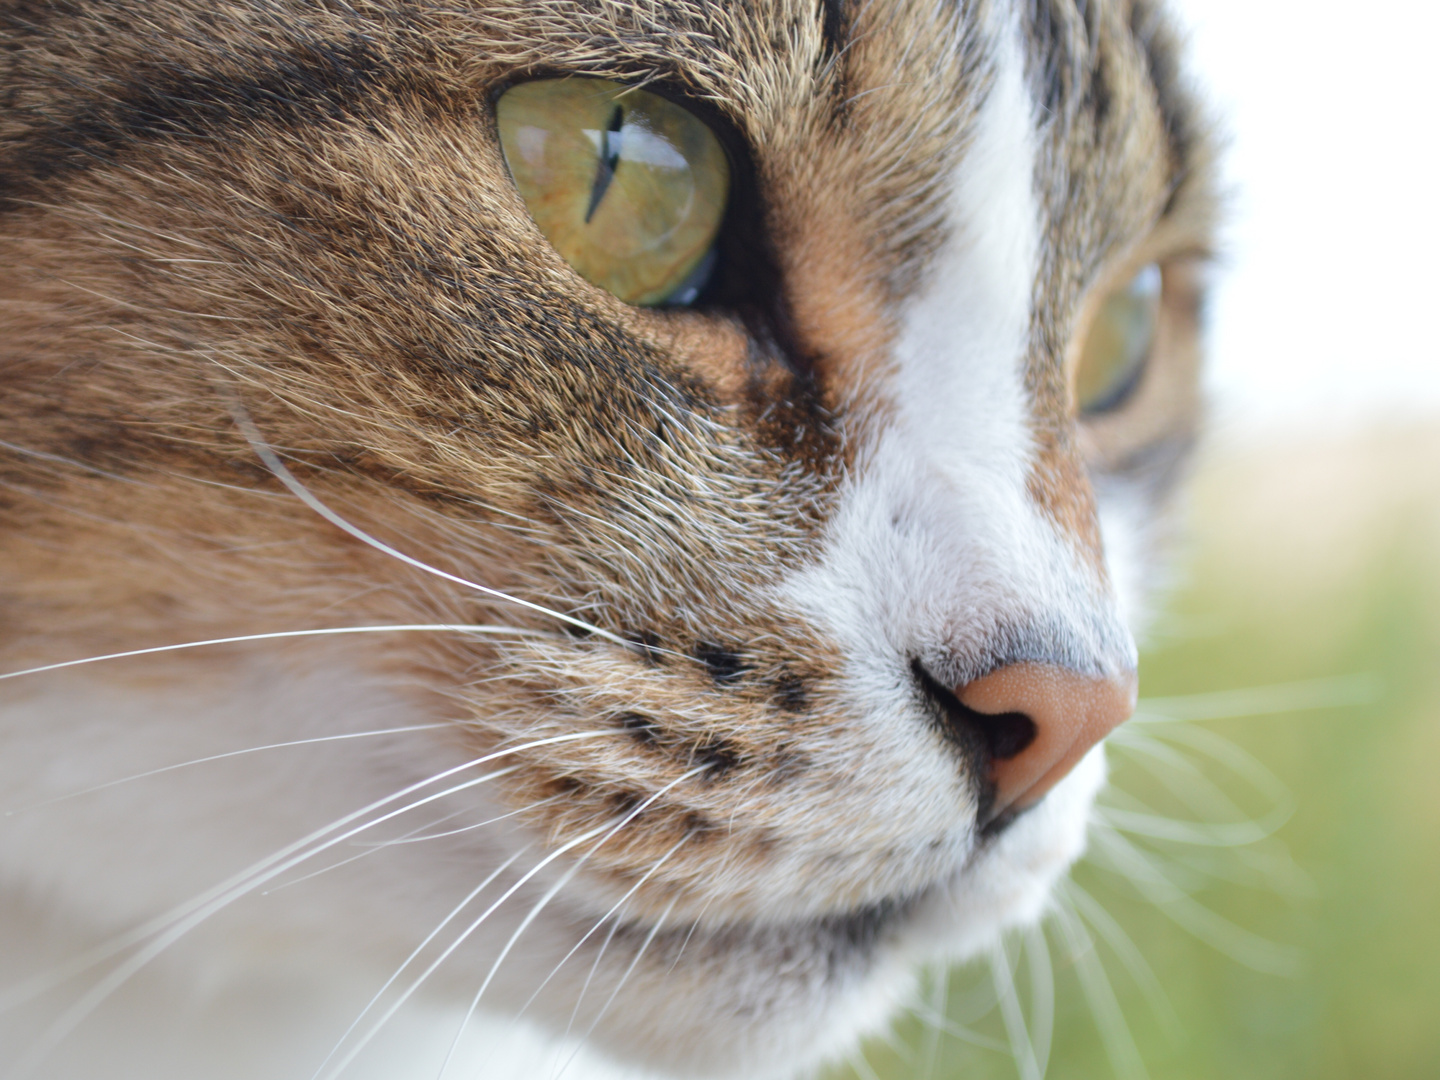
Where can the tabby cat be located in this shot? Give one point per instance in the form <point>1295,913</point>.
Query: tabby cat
<point>624,518</point>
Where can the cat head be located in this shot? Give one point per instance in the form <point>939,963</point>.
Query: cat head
<point>815,567</point>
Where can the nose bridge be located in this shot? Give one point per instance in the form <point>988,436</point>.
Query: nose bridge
<point>1069,712</point>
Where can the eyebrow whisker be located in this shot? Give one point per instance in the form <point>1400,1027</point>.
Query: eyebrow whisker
<point>300,491</point>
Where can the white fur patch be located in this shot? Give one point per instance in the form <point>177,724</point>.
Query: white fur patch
<point>937,551</point>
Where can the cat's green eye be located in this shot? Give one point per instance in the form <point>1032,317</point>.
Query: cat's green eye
<point>1118,343</point>
<point>628,187</point>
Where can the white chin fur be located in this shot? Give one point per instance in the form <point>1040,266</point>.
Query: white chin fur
<point>1009,883</point>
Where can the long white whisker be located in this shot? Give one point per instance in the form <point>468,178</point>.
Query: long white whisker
<point>1042,995</point>
<point>459,628</point>
<point>1159,827</point>
<point>1331,693</point>
<point>1249,949</point>
<point>550,895</point>
<point>83,466</point>
<point>601,922</point>
<point>1021,1048</point>
<point>411,837</point>
<point>1221,751</point>
<point>454,912</point>
<point>221,757</point>
<point>530,917</point>
<point>589,978</point>
<point>694,925</point>
<point>30,988</point>
<point>1089,910</point>
<point>960,1031</point>
<point>369,849</point>
<point>1201,795</point>
<point>861,1064</point>
<point>654,930</point>
<point>41,455</point>
<point>422,837</point>
<point>176,928</point>
<point>277,467</point>
<point>450,949</point>
<point>253,876</point>
<point>930,1050</point>
<point>1109,1017</point>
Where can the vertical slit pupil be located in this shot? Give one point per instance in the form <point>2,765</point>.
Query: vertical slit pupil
<point>609,158</point>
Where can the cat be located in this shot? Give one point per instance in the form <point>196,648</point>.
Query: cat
<point>614,525</point>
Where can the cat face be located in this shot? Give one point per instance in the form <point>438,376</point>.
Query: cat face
<point>802,604</point>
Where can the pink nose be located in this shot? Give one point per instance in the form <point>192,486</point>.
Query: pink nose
<point>1070,714</point>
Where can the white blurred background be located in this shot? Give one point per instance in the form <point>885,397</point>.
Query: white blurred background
<point>1329,291</point>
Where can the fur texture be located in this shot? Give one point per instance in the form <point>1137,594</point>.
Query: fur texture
<point>720,820</point>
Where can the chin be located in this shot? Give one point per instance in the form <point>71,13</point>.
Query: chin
<point>779,1000</point>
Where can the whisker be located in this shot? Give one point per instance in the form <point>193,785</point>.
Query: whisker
<point>41,455</point>
<point>454,912</point>
<point>601,922</point>
<point>28,989</point>
<point>83,466</point>
<point>891,1037</point>
<point>1185,911</point>
<point>529,918</point>
<point>450,949</point>
<point>412,838</point>
<point>943,1023</point>
<point>1042,995</point>
<point>221,757</point>
<point>589,978</point>
<point>1089,910</point>
<point>550,895</point>
<point>278,469</point>
<point>1184,779</point>
<point>166,929</point>
<point>370,849</point>
<point>458,628</point>
<point>935,1006</point>
<point>861,1064</point>
<point>1159,827</point>
<point>1332,693</point>
<point>694,925</point>
<point>1224,753</point>
<point>1002,973</point>
<point>172,929</point>
<point>635,961</point>
<point>1120,1045</point>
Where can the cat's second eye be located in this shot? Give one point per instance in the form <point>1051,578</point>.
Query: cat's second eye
<point>629,187</point>
<point>1118,343</point>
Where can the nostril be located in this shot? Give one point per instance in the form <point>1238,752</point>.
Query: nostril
<point>1067,714</point>
<point>1001,735</point>
<point>1008,734</point>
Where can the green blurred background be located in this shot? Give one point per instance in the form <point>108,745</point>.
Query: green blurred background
<point>1262,897</point>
